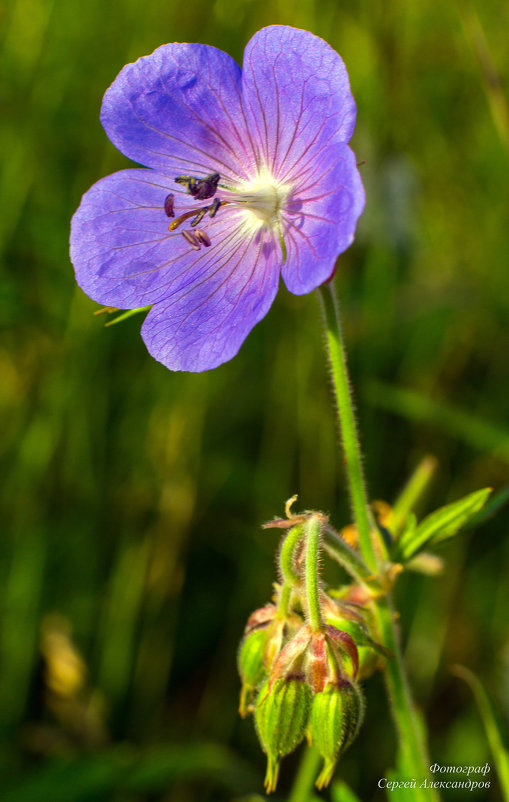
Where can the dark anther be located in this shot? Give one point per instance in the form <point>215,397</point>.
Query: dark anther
<point>214,206</point>
<point>187,181</point>
<point>212,210</point>
<point>200,188</point>
<point>202,237</point>
<point>168,205</point>
<point>193,241</point>
<point>199,217</point>
<point>207,187</point>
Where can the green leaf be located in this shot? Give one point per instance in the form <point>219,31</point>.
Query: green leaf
<point>408,532</point>
<point>440,525</point>
<point>491,725</point>
<point>496,502</point>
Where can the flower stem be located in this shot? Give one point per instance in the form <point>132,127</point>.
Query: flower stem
<point>286,555</point>
<point>350,559</point>
<point>290,577</point>
<point>313,527</point>
<point>284,600</point>
<point>415,758</point>
<point>303,786</point>
<point>407,727</point>
<point>347,425</point>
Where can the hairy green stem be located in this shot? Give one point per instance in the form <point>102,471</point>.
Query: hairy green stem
<point>313,529</point>
<point>351,561</point>
<point>410,739</point>
<point>286,553</point>
<point>415,758</point>
<point>287,570</point>
<point>352,453</point>
<point>284,600</point>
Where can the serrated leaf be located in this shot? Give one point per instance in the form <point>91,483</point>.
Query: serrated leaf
<point>441,524</point>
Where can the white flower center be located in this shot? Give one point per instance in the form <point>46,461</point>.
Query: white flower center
<point>261,200</point>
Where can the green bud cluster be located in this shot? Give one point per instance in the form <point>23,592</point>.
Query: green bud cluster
<point>299,659</point>
<point>309,690</point>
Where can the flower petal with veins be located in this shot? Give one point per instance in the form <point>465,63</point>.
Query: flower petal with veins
<point>286,204</point>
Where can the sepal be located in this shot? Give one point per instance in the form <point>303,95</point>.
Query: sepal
<point>281,714</point>
<point>252,667</point>
<point>336,717</point>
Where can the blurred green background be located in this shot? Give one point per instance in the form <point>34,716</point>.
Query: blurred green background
<point>131,552</point>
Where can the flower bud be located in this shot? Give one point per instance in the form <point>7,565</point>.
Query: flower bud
<point>356,708</point>
<point>369,651</point>
<point>282,713</point>
<point>261,618</point>
<point>336,717</point>
<point>252,668</point>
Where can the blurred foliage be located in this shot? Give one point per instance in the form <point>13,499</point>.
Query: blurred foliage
<point>133,497</point>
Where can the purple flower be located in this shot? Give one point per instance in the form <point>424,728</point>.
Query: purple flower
<point>249,176</point>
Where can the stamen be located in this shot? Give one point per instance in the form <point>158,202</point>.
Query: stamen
<point>214,206</point>
<point>193,241</point>
<point>178,220</point>
<point>207,187</point>
<point>199,217</point>
<point>199,188</point>
<point>168,205</point>
<point>187,181</point>
<point>202,237</point>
